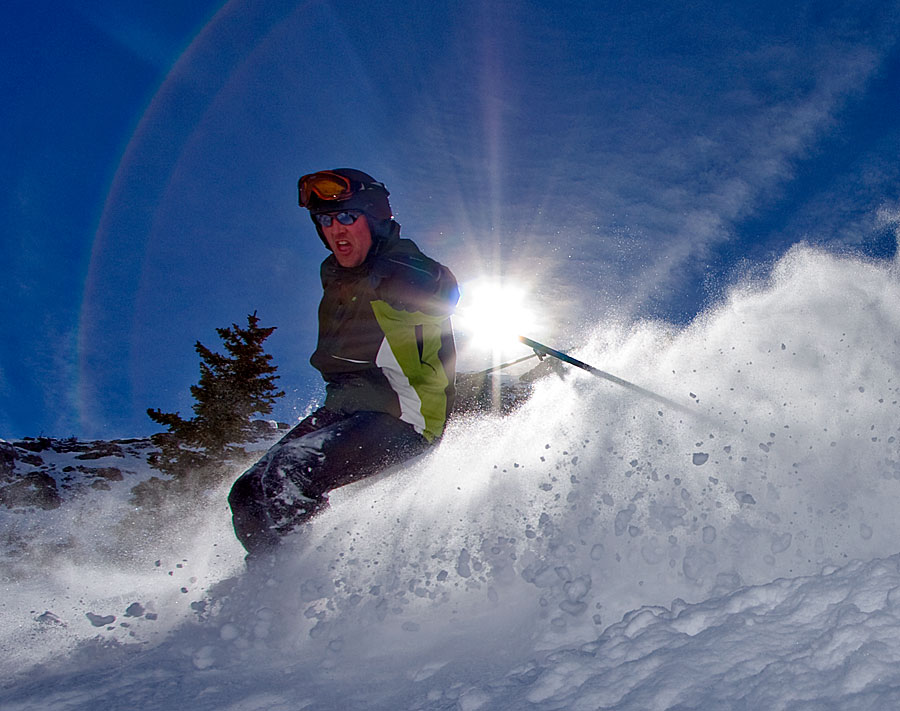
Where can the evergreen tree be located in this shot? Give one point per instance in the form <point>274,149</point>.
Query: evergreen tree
<point>231,389</point>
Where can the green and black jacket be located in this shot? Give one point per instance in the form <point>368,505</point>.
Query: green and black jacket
<point>385,340</point>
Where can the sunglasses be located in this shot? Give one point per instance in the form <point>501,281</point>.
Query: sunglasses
<point>346,217</point>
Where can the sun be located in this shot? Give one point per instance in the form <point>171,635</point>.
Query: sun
<point>492,314</point>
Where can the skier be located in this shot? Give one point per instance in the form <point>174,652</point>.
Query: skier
<point>385,351</point>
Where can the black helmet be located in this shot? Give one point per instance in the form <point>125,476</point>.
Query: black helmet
<point>344,189</point>
<point>348,189</point>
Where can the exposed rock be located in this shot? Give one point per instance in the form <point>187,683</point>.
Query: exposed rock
<point>35,489</point>
<point>135,443</point>
<point>35,445</point>
<point>101,450</point>
<point>7,459</point>
<point>32,459</point>
<point>108,473</point>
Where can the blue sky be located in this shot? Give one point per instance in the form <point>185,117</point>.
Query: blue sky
<point>622,162</point>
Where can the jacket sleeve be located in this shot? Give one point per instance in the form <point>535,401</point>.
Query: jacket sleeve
<point>414,282</point>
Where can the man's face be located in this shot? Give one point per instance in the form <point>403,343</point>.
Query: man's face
<point>350,243</point>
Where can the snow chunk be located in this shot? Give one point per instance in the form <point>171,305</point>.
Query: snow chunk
<point>100,620</point>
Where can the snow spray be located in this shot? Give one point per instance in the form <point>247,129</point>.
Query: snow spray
<point>590,501</point>
<point>544,527</point>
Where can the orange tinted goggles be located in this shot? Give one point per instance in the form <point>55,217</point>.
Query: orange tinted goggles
<point>325,185</point>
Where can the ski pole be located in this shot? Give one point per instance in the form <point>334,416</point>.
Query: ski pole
<point>541,350</point>
<point>494,368</point>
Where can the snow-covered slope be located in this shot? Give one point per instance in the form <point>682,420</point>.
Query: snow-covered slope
<point>590,550</point>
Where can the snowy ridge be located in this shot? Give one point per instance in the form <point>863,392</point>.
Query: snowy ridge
<point>532,561</point>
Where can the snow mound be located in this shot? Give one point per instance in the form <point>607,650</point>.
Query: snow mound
<point>825,641</point>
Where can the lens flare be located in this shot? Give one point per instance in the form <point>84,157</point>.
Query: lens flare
<point>493,314</point>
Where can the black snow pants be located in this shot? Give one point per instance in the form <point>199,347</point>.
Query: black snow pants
<point>326,450</point>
